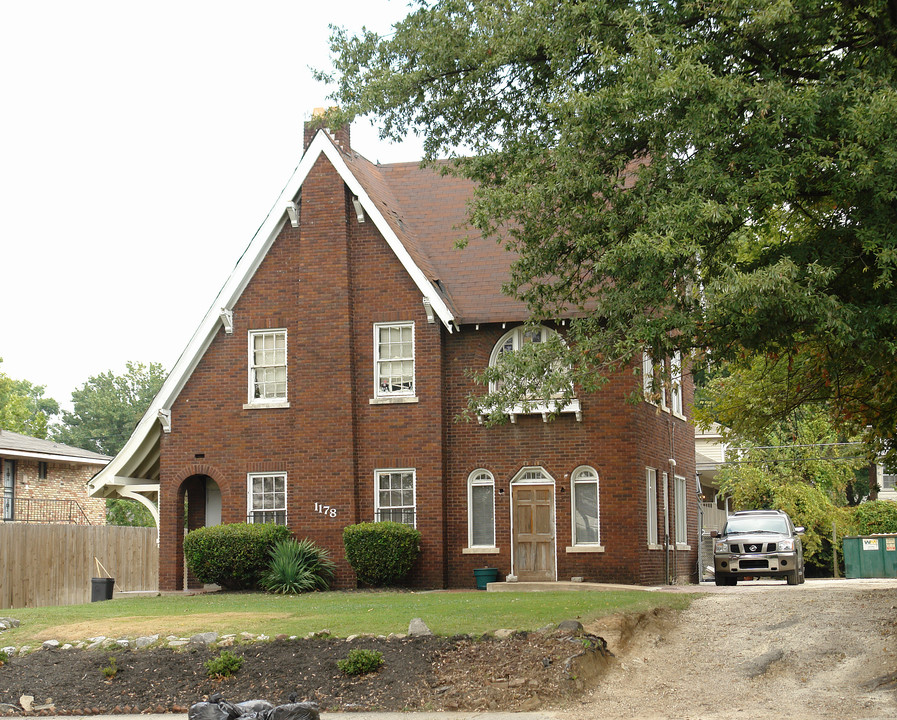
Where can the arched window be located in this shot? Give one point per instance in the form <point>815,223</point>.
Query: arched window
<point>514,340</point>
<point>481,509</point>
<point>586,517</point>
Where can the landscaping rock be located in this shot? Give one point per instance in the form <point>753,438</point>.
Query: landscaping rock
<point>204,638</point>
<point>145,641</point>
<point>572,627</point>
<point>50,644</point>
<point>418,628</point>
<point>7,622</point>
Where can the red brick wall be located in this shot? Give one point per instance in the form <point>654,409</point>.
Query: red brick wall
<point>327,283</point>
<point>615,438</point>
<point>64,481</point>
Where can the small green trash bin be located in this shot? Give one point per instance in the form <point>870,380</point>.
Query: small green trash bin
<point>871,556</point>
<point>484,576</point>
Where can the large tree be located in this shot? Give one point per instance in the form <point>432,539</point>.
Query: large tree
<point>719,177</point>
<point>107,408</point>
<point>23,407</point>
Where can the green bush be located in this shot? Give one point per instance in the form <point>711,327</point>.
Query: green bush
<point>876,516</point>
<point>298,567</point>
<point>360,662</point>
<point>225,665</point>
<point>381,553</point>
<point>232,556</point>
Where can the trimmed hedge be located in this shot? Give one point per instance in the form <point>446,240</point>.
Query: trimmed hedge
<point>232,556</point>
<point>381,553</point>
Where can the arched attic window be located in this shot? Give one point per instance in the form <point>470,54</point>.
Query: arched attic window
<point>512,341</point>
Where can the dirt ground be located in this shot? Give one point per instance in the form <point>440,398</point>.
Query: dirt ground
<point>761,650</point>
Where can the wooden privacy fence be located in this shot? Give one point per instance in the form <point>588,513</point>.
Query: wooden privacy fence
<point>44,565</point>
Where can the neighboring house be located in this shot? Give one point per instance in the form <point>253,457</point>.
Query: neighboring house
<point>710,453</point>
<point>324,386</point>
<point>46,482</point>
<point>887,484</point>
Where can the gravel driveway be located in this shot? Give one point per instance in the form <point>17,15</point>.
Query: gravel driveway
<point>761,651</point>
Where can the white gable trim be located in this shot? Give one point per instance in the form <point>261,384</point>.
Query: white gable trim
<point>145,437</point>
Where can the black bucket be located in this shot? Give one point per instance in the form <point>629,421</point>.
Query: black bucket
<point>101,589</point>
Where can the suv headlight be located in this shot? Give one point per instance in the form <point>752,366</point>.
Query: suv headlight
<point>721,546</point>
<point>786,545</point>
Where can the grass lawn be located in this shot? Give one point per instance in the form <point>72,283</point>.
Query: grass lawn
<point>342,613</point>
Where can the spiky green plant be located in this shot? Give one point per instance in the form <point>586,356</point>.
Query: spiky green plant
<point>297,567</point>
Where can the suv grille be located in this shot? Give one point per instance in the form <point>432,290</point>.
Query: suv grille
<point>753,547</point>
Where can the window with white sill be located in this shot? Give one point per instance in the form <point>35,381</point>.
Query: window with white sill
<point>394,360</point>
<point>676,383</point>
<point>267,367</point>
<point>586,515</point>
<point>513,341</point>
<point>481,509</point>
<point>267,498</point>
<point>394,496</point>
<point>680,510</point>
<point>651,493</point>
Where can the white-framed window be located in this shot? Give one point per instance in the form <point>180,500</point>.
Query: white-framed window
<point>394,496</point>
<point>267,367</point>
<point>514,340</point>
<point>481,509</point>
<point>651,493</point>
<point>680,510</point>
<point>586,515</point>
<point>394,360</point>
<point>267,498</point>
<point>676,384</point>
<point>652,388</point>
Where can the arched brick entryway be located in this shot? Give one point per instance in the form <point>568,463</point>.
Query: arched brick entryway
<point>191,504</point>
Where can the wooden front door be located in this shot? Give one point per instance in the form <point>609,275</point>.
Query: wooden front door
<point>533,545</point>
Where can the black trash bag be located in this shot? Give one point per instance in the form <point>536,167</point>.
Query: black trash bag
<point>217,708</point>
<point>295,711</point>
<point>254,706</point>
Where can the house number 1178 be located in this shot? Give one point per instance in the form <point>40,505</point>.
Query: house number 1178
<point>325,510</point>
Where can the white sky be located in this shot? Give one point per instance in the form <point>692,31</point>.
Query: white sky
<point>141,146</point>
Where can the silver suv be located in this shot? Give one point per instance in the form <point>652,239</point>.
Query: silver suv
<point>758,543</point>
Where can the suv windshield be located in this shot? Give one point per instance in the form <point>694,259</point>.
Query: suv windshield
<point>756,523</point>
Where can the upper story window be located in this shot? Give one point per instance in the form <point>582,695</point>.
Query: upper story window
<point>394,360</point>
<point>481,509</point>
<point>267,498</point>
<point>586,517</point>
<point>267,367</point>
<point>512,341</point>
<point>676,383</point>
<point>651,505</point>
<point>42,470</point>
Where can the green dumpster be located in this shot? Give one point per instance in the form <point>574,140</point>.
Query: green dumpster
<point>870,556</point>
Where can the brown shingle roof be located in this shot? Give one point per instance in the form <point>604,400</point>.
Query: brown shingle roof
<point>15,443</point>
<point>428,213</point>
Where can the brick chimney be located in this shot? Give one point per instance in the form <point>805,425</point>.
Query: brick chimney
<point>340,136</point>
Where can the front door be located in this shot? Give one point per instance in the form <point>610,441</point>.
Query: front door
<point>9,489</point>
<point>533,544</point>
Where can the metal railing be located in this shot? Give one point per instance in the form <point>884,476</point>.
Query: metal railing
<point>45,510</point>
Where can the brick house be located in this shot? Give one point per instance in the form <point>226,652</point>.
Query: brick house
<point>46,481</point>
<point>323,389</point>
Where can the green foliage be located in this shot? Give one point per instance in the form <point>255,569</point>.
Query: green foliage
<point>111,670</point>
<point>381,553</point>
<point>108,407</point>
<point>877,516</point>
<point>232,556</point>
<point>23,407</point>
<point>743,154</point>
<point>297,567</point>
<point>4,657</point>
<point>127,512</point>
<point>225,665</point>
<point>360,662</point>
